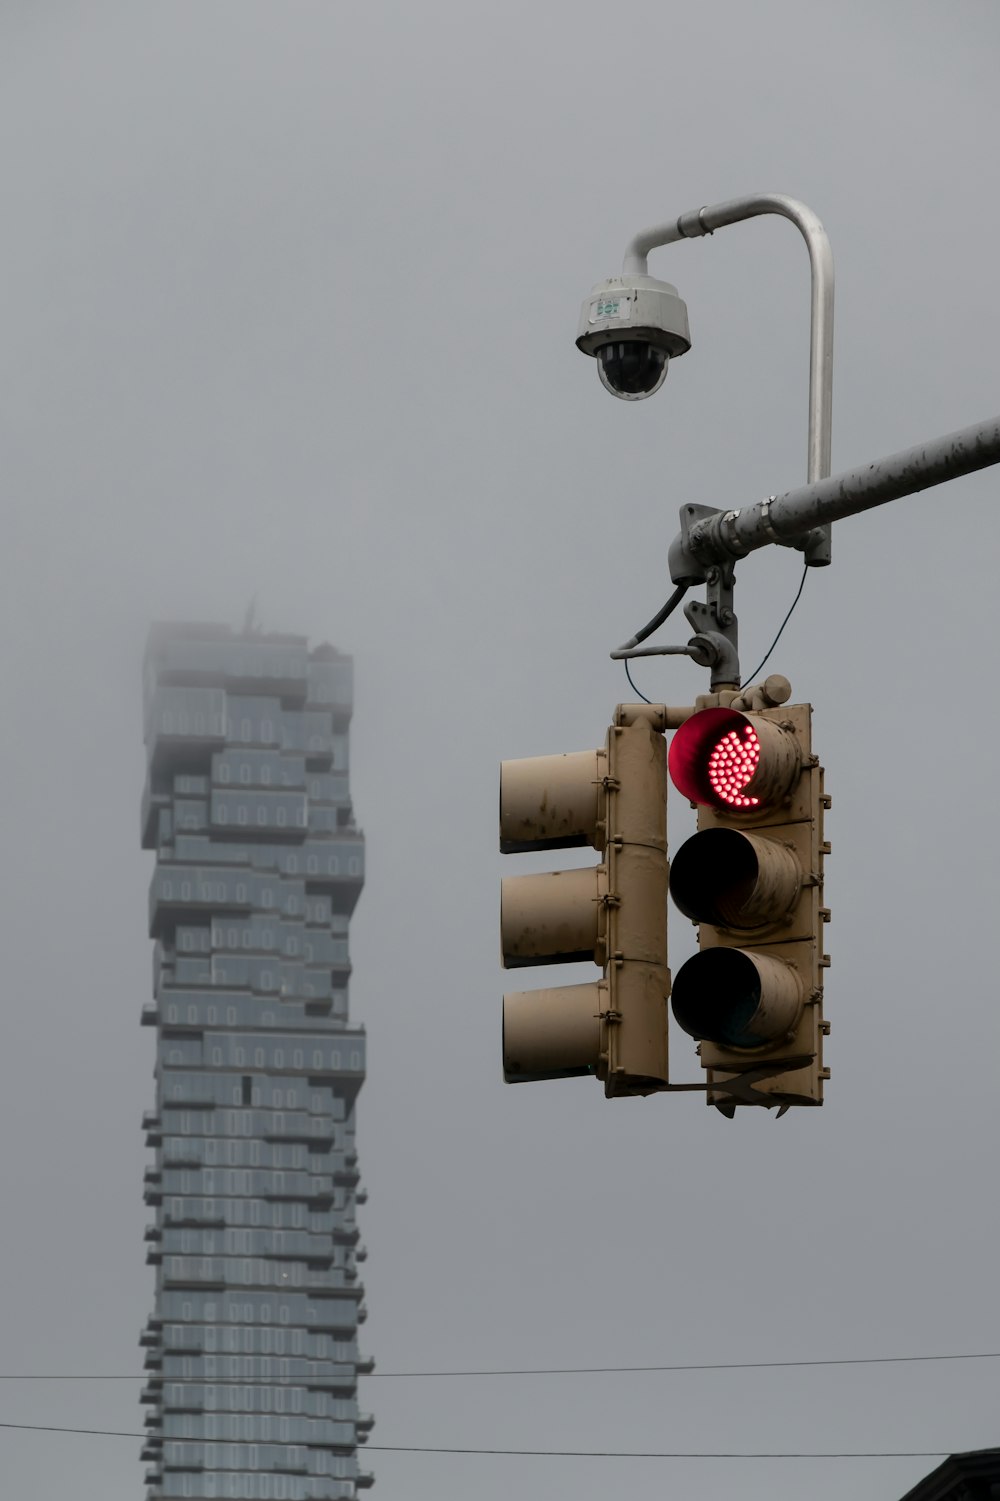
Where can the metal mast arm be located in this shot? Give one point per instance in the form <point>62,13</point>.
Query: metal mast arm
<point>728,535</point>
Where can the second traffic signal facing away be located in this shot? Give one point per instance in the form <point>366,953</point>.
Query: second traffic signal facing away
<point>752,879</point>
<point>615,913</point>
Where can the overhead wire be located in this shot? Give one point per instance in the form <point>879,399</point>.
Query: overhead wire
<point>605,1370</point>
<point>798,595</point>
<point>554,1453</point>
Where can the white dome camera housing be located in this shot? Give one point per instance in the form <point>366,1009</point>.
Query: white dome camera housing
<point>633,326</point>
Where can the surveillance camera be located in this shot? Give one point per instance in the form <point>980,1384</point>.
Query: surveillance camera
<point>633,325</point>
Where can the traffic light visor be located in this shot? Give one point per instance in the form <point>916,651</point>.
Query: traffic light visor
<point>552,1034</point>
<point>740,762</point>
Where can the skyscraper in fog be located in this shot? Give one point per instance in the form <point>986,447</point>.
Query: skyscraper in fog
<point>251,1351</point>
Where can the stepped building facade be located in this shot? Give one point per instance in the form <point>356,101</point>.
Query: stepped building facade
<point>251,1353</point>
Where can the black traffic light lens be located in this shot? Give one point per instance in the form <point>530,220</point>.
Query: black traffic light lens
<point>714,878</point>
<point>716,996</point>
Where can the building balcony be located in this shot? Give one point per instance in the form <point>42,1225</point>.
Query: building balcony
<point>152,1232</point>
<point>150,1015</point>
<point>183,722</point>
<point>149,812</point>
<point>364,1479</point>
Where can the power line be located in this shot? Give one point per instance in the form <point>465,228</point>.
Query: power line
<point>558,1453</point>
<point>744,1365</point>
<point>610,1370</point>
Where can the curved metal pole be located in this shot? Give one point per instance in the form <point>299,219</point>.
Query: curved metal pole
<point>706,221</point>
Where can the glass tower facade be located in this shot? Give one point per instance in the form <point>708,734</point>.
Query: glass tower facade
<point>251,1353</point>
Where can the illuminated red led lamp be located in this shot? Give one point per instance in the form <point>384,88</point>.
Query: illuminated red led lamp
<point>714,758</point>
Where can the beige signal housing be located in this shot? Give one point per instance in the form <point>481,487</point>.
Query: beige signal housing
<point>772,914</point>
<point>613,914</point>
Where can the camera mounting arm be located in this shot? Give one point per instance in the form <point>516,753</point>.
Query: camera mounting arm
<point>706,221</point>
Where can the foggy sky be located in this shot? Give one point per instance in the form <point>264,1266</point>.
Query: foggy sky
<point>288,303</point>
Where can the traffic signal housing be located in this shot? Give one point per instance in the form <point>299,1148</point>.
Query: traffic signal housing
<point>752,879</point>
<point>615,913</point>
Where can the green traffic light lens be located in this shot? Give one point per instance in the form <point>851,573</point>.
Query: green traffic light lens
<point>717,998</point>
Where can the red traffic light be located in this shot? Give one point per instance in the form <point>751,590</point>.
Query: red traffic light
<point>740,762</point>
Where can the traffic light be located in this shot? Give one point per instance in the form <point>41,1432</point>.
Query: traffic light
<point>614,913</point>
<point>752,879</point>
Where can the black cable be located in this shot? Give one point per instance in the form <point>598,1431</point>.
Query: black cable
<point>657,620</point>
<point>634,688</point>
<point>548,1453</point>
<point>597,1370</point>
<point>750,677</point>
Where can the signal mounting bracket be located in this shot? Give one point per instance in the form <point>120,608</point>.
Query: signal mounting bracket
<point>741,1086</point>
<point>715,643</point>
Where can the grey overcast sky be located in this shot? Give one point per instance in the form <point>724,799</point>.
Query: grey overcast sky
<point>287,309</point>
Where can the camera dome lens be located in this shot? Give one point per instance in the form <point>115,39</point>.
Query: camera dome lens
<point>633,368</point>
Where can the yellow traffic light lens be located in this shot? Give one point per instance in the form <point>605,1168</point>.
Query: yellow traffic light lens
<point>733,879</point>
